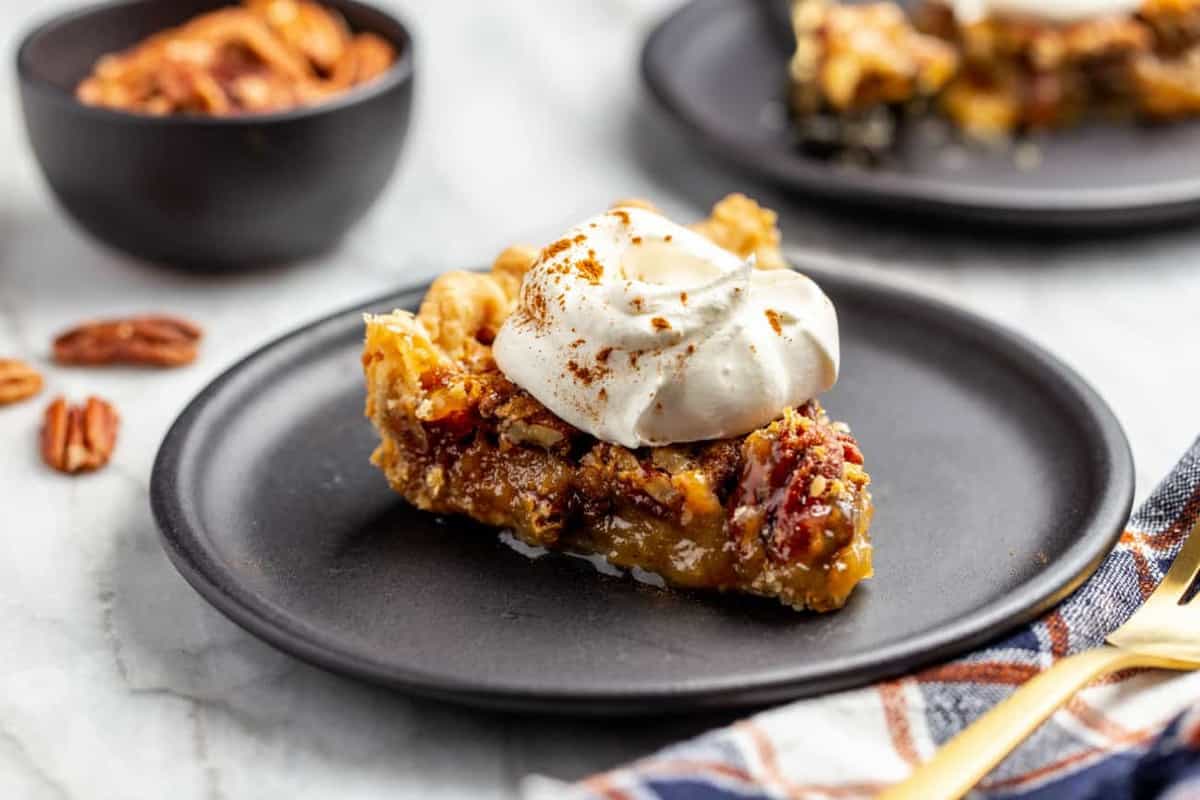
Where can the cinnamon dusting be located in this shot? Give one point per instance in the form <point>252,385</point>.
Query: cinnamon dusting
<point>773,317</point>
<point>585,375</point>
<point>554,248</point>
<point>590,268</point>
<point>535,304</point>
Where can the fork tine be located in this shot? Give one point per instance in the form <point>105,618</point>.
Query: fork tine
<point>1183,569</point>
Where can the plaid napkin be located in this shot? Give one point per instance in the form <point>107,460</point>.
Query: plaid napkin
<point>1122,737</point>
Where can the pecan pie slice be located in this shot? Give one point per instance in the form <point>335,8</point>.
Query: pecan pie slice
<point>855,67</point>
<point>859,68</point>
<point>781,512</point>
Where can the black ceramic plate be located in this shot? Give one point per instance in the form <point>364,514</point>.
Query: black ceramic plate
<point>1000,480</point>
<point>720,69</point>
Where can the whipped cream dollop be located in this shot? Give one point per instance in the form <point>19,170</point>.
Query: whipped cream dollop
<point>1062,11</point>
<point>643,332</point>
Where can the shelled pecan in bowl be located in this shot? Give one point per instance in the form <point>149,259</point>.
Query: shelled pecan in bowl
<point>156,341</point>
<point>79,438</point>
<point>18,381</point>
<point>262,56</point>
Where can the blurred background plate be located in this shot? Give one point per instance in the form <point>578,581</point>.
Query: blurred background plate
<point>1001,480</point>
<point>720,69</point>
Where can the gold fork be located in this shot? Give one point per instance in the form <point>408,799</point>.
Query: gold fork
<point>1162,634</point>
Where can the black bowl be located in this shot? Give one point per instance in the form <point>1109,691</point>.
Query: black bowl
<point>203,192</point>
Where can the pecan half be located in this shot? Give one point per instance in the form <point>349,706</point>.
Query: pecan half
<point>18,381</point>
<point>79,438</point>
<point>157,341</point>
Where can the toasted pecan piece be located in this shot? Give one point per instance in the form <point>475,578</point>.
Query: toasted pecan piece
<point>317,33</point>
<point>18,381</point>
<point>157,341</point>
<point>79,438</point>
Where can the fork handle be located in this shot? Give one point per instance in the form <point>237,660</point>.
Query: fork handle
<point>970,755</point>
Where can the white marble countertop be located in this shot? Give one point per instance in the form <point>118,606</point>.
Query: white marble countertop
<point>116,680</point>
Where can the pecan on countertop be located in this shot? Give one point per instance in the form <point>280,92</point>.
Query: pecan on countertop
<point>156,341</point>
<point>79,438</point>
<point>18,381</point>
